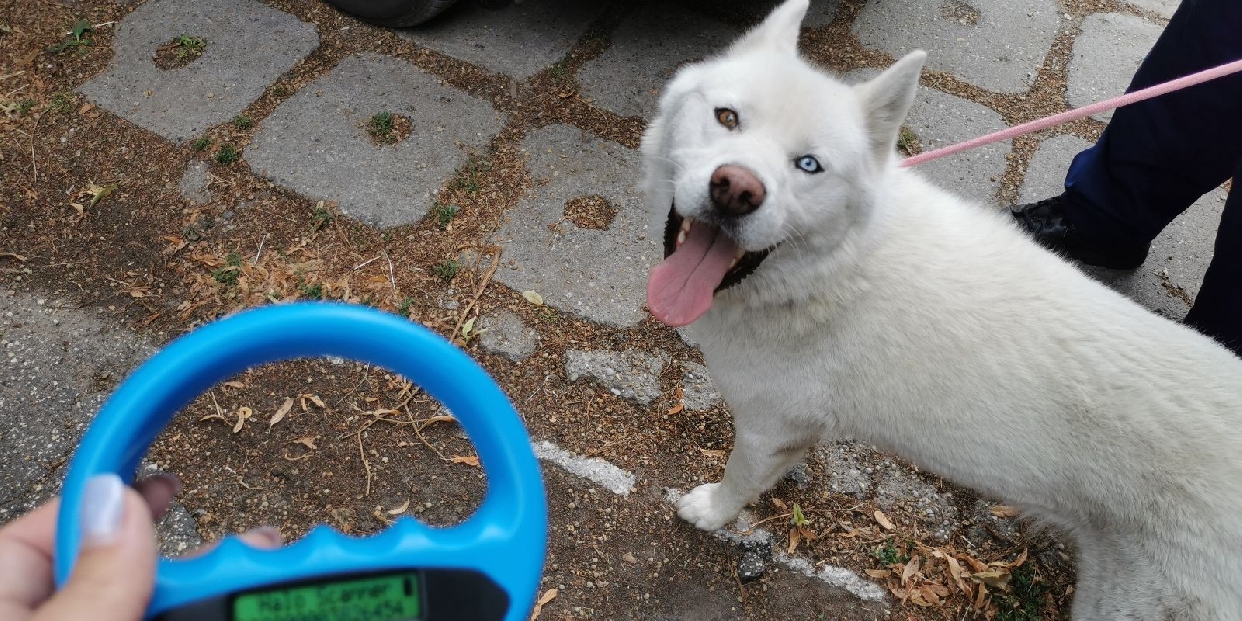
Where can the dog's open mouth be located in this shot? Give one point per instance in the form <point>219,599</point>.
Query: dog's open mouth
<point>699,260</point>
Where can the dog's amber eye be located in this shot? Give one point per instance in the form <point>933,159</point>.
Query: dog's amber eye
<point>727,117</point>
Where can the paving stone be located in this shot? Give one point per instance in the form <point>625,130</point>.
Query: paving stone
<point>194,183</point>
<point>646,49</point>
<point>698,392</point>
<point>1179,255</point>
<point>1163,8</point>
<point>600,275</point>
<point>939,120</point>
<point>505,333</point>
<point>995,44</point>
<point>316,142</point>
<point>518,41</point>
<point>1105,57</point>
<point>1045,175</point>
<point>629,374</point>
<point>249,45</point>
<point>57,366</point>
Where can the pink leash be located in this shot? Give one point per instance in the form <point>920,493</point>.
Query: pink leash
<point>1085,111</point>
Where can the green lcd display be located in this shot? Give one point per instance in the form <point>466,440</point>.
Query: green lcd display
<point>387,597</point>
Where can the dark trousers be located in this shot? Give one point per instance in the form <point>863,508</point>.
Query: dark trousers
<point>1159,156</point>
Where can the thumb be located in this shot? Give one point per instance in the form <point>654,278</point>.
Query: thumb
<point>115,570</point>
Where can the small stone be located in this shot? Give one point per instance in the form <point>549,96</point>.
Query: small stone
<point>754,562</point>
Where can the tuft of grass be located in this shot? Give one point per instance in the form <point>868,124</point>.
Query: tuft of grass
<point>321,217</point>
<point>1025,597</point>
<point>227,275</point>
<point>447,269</point>
<point>406,305</point>
<point>444,214</point>
<point>469,175</point>
<point>61,102</point>
<point>242,122</point>
<point>314,292</point>
<point>227,154</point>
<point>189,47</point>
<point>558,70</point>
<point>76,41</point>
<point>888,553</point>
<point>381,125</point>
<point>907,140</point>
<point>201,143</point>
<point>25,106</point>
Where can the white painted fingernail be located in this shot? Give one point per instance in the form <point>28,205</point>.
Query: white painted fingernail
<point>103,507</point>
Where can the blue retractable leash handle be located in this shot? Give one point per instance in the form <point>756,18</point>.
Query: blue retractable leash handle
<point>488,567</point>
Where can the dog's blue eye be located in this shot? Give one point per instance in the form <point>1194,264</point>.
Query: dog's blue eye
<point>808,164</point>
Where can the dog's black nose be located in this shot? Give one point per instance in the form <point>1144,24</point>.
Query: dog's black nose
<point>736,191</point>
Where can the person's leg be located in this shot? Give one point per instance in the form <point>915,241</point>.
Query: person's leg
<point>1217,311</point>
<point>1159,156</point>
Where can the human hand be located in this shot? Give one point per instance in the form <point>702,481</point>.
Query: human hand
<point>114,575</point>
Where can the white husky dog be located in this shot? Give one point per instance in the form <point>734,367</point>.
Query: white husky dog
<point>834,293</point>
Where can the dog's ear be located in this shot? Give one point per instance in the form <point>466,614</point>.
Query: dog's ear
<point>887,99</point>
<point>778,32</point>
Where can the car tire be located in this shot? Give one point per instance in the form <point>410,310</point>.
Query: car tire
<point>393,13</point>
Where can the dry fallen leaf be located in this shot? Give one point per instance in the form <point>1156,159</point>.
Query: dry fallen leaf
<point>716,454</point>
<point>243,413</point>
<point>234,384</point>
<point>795,537</point>
<point>676,409</point>
<point>883,520</point>
<point>280,413</point>
<point>472,460</point>
<point>533,297</point>
<point>317,401</point>
<point>405,505</point>
<point>1004,511</point>
<point>547,596</point>
<point>307,441</point>
<point>878,573</point>
<point>996,579</point>
<point>910,569</point>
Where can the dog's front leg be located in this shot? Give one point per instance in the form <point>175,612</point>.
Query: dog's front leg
<point>761,456</point>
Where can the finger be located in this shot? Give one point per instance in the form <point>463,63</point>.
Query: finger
<point>115,570</point>
<point>262,538</point>
<point>26,549</point>
<point>158,491</point>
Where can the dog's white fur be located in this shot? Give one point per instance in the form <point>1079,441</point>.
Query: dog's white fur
<point>896,313</point>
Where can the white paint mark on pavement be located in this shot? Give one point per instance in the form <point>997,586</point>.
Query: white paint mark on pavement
<point>595,469</point>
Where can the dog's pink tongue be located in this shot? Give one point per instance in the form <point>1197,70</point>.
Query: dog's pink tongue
<point>680,289</point>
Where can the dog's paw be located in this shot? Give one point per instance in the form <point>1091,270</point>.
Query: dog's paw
<point>703,507</point>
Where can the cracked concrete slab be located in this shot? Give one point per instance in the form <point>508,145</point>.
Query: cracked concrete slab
<point>997,45</point>
<point>316,142</point>
<point>579,237</point>
<point>57,366</point>
<point>1105,57</point>
<point>505,334</point>
<point>248,46</point>
<point>629,374</point>
<point>195,183</point>
<point>518,41</point>
<point>698,392</point>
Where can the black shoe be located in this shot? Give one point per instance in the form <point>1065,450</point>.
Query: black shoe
<point>1045,221</point>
